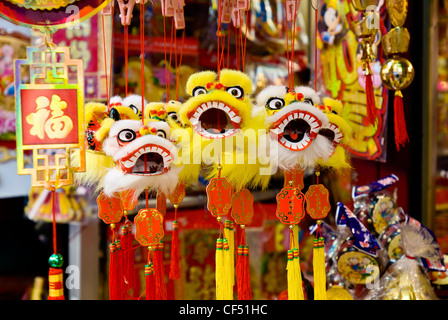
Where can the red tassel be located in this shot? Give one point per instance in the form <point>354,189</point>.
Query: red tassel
<point>130,290</point>
<point>242,270</point>
<point>113,272</point>
<point>150,282</point>
<point>159,273</point>
<point>401,134</point>
<point>370,98</point>
<point>174,263</point>
<point>121,291</point>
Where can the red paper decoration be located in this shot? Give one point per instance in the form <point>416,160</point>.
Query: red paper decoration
<point>296,176</point>
<point>110,209</point>
<point>290,205</point>
<point>149,227</point>
<point>129,199</point>
<point>219,197</point>
<point>242,207</point>
<point>178,195</point>
<point>317,201</point>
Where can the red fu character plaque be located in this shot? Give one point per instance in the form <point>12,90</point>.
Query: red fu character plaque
<point>50,115</point>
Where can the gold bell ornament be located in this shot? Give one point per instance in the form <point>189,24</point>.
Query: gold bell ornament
<point>366,30</point>
<point>397,73</point>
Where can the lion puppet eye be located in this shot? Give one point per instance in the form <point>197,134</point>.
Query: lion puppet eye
<point>126,135</point>
<point>275,104</point>
<point>199,90</point>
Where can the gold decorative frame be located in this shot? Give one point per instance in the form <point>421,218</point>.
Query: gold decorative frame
<point>50,75</point>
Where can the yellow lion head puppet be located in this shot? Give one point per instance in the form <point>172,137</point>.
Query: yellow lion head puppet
<point>337,131</point>
<point>293,122</point>
<point>219,117</point>
<point>164,111</point>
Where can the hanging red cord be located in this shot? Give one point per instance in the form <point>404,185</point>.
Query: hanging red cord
<point>53,209</point>
<point>180,64</point>
<point>126,58</point>
<point>218,35</point>
<point>106,68</point>
<point>315,45</point>
<point>245,40</point>
<point>288,54</point>
<point>142,58</point>
<point>237,43</point>
<point>166,67</point>
<point>105,58</point>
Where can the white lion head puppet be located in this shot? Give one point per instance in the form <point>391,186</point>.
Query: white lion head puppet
<point>293,123</point>
<point>140,154</point>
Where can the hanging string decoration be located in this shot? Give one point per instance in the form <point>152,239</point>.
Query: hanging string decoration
<point>290,211</point>
<point>219,202</point>
<point>366,31</point>
<point>318,206</point>
<point>149,233</point>
<point>176,198</point>
<point>242,213</point>
<point>397,72</point>
<point>49,121</point>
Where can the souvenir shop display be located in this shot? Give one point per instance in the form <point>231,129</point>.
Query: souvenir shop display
<point>205,151</point>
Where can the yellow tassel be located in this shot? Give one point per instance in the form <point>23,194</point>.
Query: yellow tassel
<point>219,270</point>
<point>229,234</point>
<point>294,275</point>
<point>291,276</point>
<point>298,273</point>
<point>227,271</point>
<point>320,278</point>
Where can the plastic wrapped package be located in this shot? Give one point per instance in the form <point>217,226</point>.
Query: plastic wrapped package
<point>375,205</point>
<point>358,255</point>
<point>406,278</point>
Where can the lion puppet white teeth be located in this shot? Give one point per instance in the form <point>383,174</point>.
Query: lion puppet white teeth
<point>144,155</point>
<point>293,124</point>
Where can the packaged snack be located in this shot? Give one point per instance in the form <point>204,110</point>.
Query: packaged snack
<point>406,279</point>
<point>358,257</point>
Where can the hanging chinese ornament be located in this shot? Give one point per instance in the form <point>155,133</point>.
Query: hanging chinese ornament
<point>318,206</point>
<point>219,203</point>
<point>290,211</point>
<point>49,88</point>
<point>397,73</point>
<point>149,233</point>
<point>366,31</point>
<point>242,213</point>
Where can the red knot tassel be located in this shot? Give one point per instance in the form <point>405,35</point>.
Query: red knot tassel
<point>113,270</point>
<point>150,282</point>
<point>242,270</point>
<point>121,288</point>
<point>56,285</point>
<point>159,273</point>
<point>401,134</point>
<point>127,238</point>
<point>370,98</point>
<point>174,263</point>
